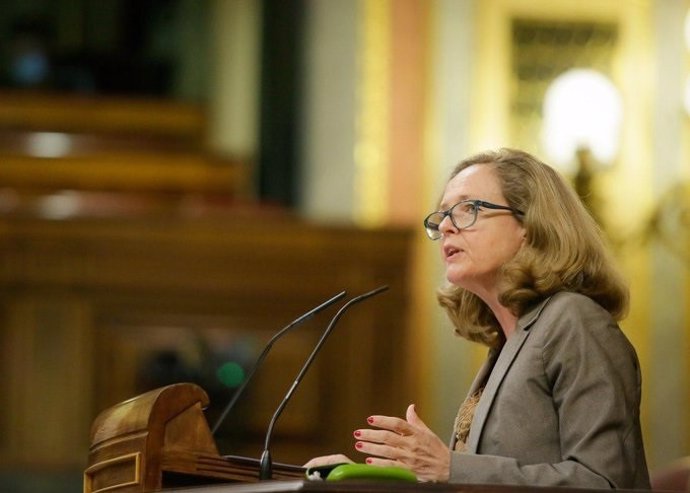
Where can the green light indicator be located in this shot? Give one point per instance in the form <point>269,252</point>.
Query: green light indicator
<point>230,374</point>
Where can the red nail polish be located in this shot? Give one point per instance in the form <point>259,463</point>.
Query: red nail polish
<point>359,445</point>
<point>370,420</point>
<point>357,433</point>
<point>368,461</point>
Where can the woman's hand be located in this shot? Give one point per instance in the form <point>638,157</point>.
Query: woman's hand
<point>405,443</point>
<point>327,460</point>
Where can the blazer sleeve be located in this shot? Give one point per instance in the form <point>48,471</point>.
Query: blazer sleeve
<point>594,380</point>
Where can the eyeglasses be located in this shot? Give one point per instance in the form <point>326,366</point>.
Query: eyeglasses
<point>462,215</point>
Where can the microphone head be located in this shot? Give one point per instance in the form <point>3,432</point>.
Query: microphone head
<point>373,292</point>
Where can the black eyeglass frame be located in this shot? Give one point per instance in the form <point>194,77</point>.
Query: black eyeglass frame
<point>433,231</point>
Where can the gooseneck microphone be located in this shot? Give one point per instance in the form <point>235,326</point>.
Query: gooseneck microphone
<point>266,464</point>
<point>263,354</point>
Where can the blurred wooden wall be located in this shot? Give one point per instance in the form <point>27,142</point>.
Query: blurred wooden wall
<point>130,257</point>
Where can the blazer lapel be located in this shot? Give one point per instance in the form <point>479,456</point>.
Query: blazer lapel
<point>507,355</point>
<point>478,381</point>
<point>484,371</point>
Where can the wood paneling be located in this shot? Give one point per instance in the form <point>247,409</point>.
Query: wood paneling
<point>53,142</point>
<point>31,111</point>
<point>93,309</point>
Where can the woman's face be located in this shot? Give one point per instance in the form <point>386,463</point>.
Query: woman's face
<point>474,255</point>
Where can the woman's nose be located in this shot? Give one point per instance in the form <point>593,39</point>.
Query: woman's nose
<point>447,226</point>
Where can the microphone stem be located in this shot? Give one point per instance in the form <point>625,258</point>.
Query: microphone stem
<point>266,466</point>
<point>301,374</point>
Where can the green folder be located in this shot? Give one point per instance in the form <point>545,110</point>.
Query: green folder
<point>367,472</point>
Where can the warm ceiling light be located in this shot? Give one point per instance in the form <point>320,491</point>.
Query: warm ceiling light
<point>582,109</point>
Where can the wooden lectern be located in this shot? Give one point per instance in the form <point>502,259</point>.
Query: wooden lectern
<point>161,439</point>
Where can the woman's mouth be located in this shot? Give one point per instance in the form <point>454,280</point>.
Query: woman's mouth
<point>450,251</point>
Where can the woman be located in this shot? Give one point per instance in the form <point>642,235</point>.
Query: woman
<point>557,401</point>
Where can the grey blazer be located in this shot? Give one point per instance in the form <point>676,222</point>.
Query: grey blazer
<point>560,406</point>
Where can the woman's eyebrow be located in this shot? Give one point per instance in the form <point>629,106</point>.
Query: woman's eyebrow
<point>444,205</point>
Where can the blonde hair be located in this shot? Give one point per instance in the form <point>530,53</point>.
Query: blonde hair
<point>563,251</point>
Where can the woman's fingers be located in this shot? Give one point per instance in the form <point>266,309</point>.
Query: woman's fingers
<point>381,450</point>
<point>414,420</point>
<point>379,436</point>
<point>408,443</point>
<point>396,425</point>
<point>327,460</point>
<point>378,461</point>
